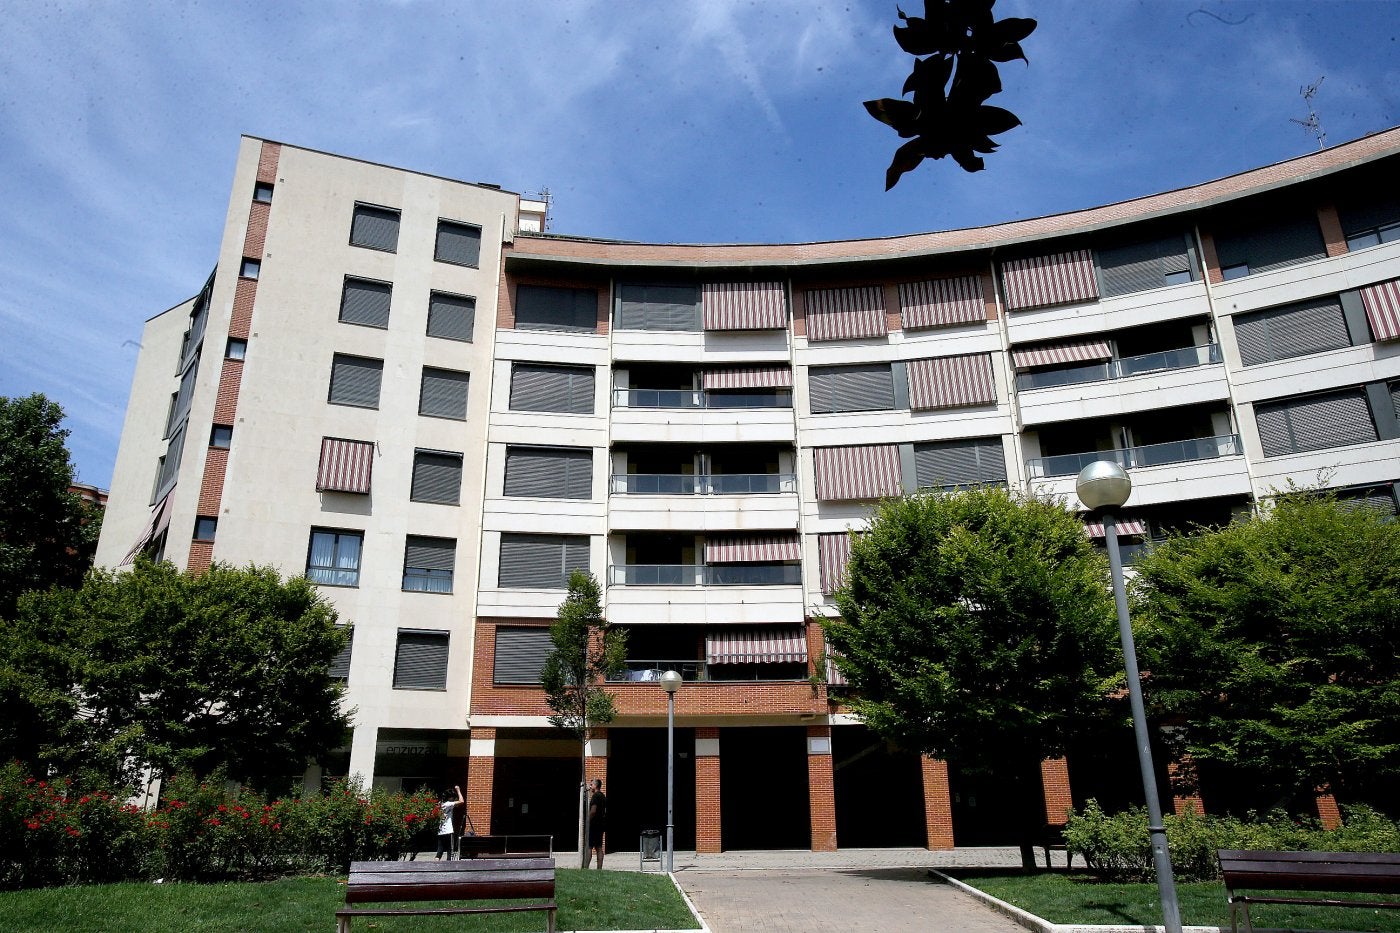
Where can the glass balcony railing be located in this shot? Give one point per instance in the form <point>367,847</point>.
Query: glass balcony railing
<point>715,484</point>
<point>651,671</point>
<point>1196,448</point>
<point>699,671</point>
<point>705,575</point>
<point>1184,358</point>
<point>696,398</point>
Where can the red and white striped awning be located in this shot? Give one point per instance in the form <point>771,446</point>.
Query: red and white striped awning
<point>951,382</point>
<point>781,645</point>
<point>846,313</point>
<point>833,553</point>
<point>748,549</point>
<point>1055,354</point>
<point>158,522</point>
<point>1125,526</point>
<point>1382,302</point>
<point>744,305</point>
<point>834,677</point>
<point>345,465</point>
<point>749,377</point>
<point>1057,279</point>
<point>857,472</point>
<point>942,302</point>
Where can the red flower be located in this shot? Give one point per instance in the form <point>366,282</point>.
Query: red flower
<point>213,821</point>
<point>73,832</point>
<point>32,825</point>
<point>223,808</point>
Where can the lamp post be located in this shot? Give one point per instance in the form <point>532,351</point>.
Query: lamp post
<point>1105,485</point>
<point>670,681</point>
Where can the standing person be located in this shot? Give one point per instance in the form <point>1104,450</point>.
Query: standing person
<point>445,833</point>
<point>597,823</point>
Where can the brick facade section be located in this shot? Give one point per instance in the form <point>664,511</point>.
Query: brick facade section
<point>241,322</point>
<point>201,556</point>
<point>505,307</point>
<point>989,295</point>
<point>1331,224</point>
<point>707,797</point>
<point>1054,782</point>
<point>1186,793</point>
<point>226,402</point>
<point>211,490</point>
<point>1211,259</point>
<point>481,773</point>
<point>267,162</point>
<point>938,803</point>
<point>821,793</point>
<point>256,236</point>
<point>1327,811</point>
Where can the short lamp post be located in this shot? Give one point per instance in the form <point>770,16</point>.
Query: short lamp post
<point>670,682</point>
<point>1104,485</point>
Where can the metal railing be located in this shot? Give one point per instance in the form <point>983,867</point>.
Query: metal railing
<point>712,484</point>
<point>705,575</point>
<point>698,398</point>
<point>1184,358</point>
<point>1196,448</point>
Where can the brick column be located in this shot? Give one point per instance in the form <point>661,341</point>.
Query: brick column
<point>1331,223</point>
<point>821,789</point>
<point>707,799</point>
<point>1054,782</point>
<point>938,804</point>
<point>1185,784</point>
<point>1327,810</point>
<point>481,778</point>
<point>1212,261</point>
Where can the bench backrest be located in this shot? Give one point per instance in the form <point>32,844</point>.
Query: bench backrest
<point>473,879</point>
<point>1371,872</point>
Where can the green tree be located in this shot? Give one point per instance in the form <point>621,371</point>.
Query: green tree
<point>180,672</point>
<point>1275,639</point>
<point>47,534</point>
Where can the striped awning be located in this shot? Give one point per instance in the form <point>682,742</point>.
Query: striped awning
<point>748,549</point>
<point>951,382</point>
<point>846,313</point>
<point>942,302</point>
<point>1055,354</point>
<point>857,472</point>
<point>780,645</point>
<point>834,677</point>
<point>1057,279</point>
<point>1382,302</point>
<point>158,522</point>
<point>749,377</point>
<point>744,306</point>
<point>833,553</point>
<point>1125,526</point>
<point>345,465</point>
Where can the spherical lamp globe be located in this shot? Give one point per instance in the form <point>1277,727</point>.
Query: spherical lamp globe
<point>1103,484</point>
<point>670,681</point>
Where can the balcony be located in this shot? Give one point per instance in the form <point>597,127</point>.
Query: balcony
<point>718,484</point>
<point>696,671</point>
<point>705,575</point>
<point>1183,358</point>
<point>1183,451</point>
<point>698,398</point>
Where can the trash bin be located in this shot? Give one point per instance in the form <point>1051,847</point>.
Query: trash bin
<point>650,847</point>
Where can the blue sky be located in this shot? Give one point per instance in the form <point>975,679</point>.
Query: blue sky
<point>712,120</point>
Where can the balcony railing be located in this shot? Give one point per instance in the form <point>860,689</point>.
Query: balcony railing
<point>704,575</point>
<point>1196,448</point>
<point>1184,358</point>
<point>714,484</point>
<point>696,671</point>
<point>697,398</point>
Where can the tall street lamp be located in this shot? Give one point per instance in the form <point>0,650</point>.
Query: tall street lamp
<point>670,681</point>
<point>1104,485</point>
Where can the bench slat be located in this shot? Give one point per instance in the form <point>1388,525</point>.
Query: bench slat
<point>396,911</point>
<point>476,877</point>
<point>456,865</point>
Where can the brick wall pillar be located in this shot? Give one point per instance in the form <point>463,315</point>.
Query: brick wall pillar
<point>1054,783</point>
<point>821,789</point>
<point>1327,810</point>
<point>1331,223</point>
<point>938,804</point>
<point>481,779</point>
<point>1185,784</point>
<point>707,799</point>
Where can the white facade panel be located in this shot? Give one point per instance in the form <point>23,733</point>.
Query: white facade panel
<point>1166,389</point>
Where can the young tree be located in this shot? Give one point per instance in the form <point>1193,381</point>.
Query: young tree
<point>47,534</point>
<point>587,650</point>
<point>180,672</point>
<point>1276,640</point>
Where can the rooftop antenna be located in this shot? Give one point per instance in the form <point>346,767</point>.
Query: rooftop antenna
<point>1312,124</point>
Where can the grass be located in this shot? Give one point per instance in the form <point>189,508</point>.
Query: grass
<point>1075,898</point>
<point>598,900</point>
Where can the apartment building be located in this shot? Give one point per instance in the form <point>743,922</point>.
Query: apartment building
<point>699,426</point>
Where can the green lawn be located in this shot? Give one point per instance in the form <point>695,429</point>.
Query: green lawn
<point>597,900</point>
<point>1072,898</point>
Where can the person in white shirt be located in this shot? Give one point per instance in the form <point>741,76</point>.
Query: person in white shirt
<point>445,832</point>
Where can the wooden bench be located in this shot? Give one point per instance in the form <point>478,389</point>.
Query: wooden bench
<point>1362,872</point>
<point>1053,840</point>
<point>505,846</point>
<point>451,880</point>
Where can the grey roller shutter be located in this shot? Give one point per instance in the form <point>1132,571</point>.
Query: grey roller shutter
<point>543,307</point>
<point>1137,267</point>
<point>457,243</point>
<point>365,302</point>
<point>960,463</point>
<point>541,561</point>
<point>567,389</point>
<point>375,228</point>
<point>420,661</point>
<point>658,307</point>
<point>1376,209</point>
<point>1316,422</point>
<point>520,654</point>
<point>444,394</point>
<point>437,477</point>
<point>340,664</point>
<point>851,388</point>
<point>555,474</point>
<point>430,553</point>
<point>1284,242</point>
<point>355,381</point>
<point>1395,398</point>
<point>1293,330</point>
<point>451,316</point>
<point>1380,501</point>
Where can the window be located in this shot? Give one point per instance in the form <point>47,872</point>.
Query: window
<point>851,388</point>
<point>549,473</point>
<point>541,307</point>
<point>420,660</point>
<point>355,381</point>
<point>365,302</point>
<point>205,527</point>
<point>1138,267</point>
<point>184,397</point>
<point>443,394</point>
<point>428,563</point>
<point>334,559</point>
<point>221,436</point>
<point>451,316</point>
<point>375,228</point>
<point>960,463</point>
<point>250,268</point>
<point>658,307</point>
<point>340,664</point>
<point>1292,330</point>
<point>262,191</point>
<point>1315,422</point>
<point>1370,220</point>
<point>459,244</point>
<point>1374,236</point>
<point>1278,241</point>
<point>236,349</point>
<point>567,389</point>
<point>520,654</point>
<point>541,561</point>
<point>437,477</point>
